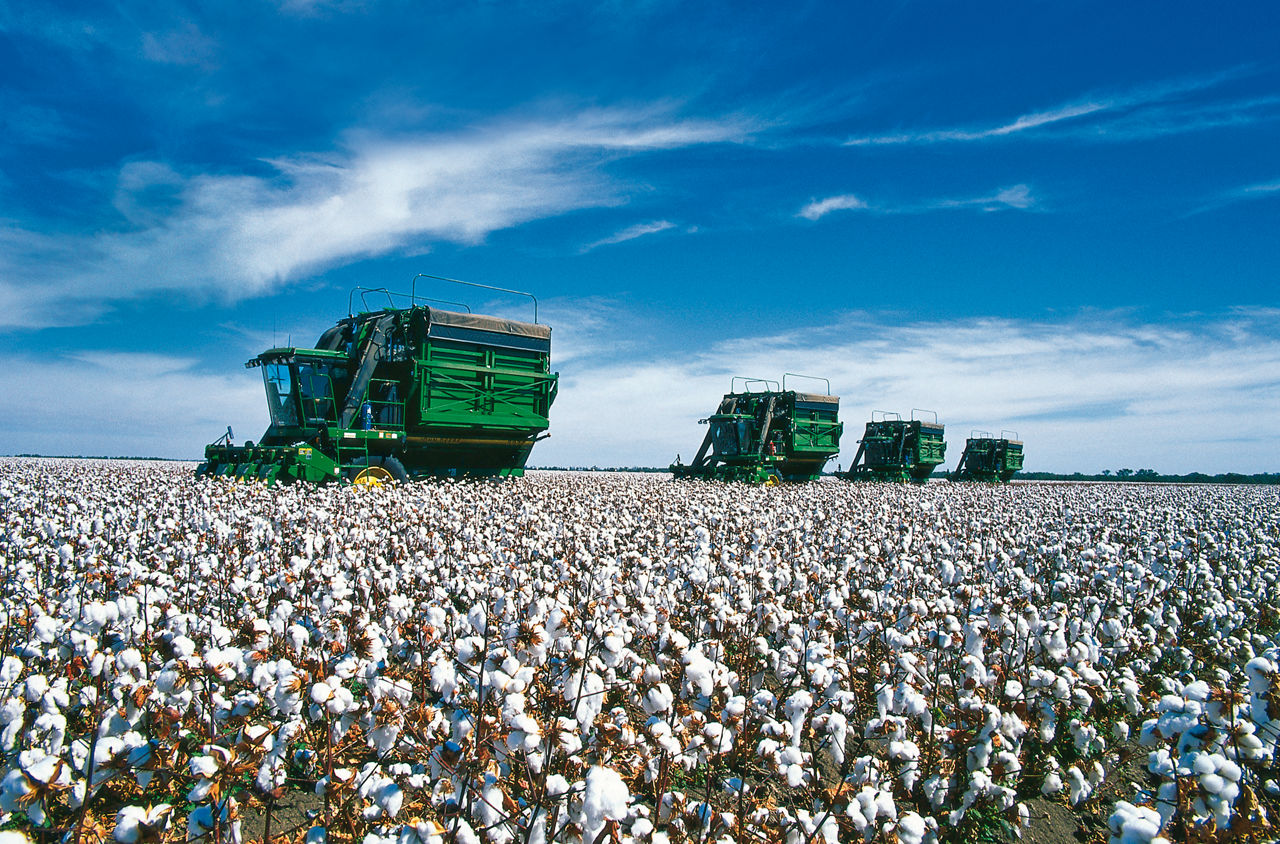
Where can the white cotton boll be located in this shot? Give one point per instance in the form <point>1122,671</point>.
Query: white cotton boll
<point>183,647</point>
<point>135,822</point>
<point>796,707</point>
<point>321,693</point>
<point>605,799</point>
<point>1212,783</point>
<point>10,670</point>
<point>1078,788</point>
<point>1132,824</point>
<point>658,699</point>
<point>911,829</point>
<point>556,785</point>
<point>838,730</point>
<point>1160,763</point>
<point>203,766</point>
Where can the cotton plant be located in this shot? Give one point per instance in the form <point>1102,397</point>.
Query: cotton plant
<point>567,656</point>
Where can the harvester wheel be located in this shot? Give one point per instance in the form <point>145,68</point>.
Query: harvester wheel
<point>396,468</point>
<point>371,476</point>
<point>376,471</point>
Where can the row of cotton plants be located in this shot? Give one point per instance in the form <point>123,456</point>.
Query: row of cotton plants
<point>591,658</point>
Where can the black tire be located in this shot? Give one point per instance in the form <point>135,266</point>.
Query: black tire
<point>392,464</point>
<point>396,468</point>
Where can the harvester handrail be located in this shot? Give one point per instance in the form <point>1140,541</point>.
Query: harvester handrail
<point>1003,437</point>
<point>916,410</point>
<point>746,382</point>
<point>975,434</point>
<point>363,291</point>
<point>414,289</point>
<point>826,381</point>
<point>884,415</point>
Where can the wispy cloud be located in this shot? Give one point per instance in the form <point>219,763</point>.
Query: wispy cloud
<point>1017,197</point>
<point>630,233</point>
<point>1147,111</point>
<point>1020,124</point>
<point>1247,193</point>
<point>232,236</point>
<point>820,208</point>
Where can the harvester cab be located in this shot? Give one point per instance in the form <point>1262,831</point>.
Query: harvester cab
<point>398,393</point>
<point>989,458</point>
<point>764,433</point>
<point>898,450</point>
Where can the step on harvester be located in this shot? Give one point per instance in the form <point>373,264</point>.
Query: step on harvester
<point>989,458</point>
<point>765,433</point>
<point>401,392</point>
<point>897,450</point>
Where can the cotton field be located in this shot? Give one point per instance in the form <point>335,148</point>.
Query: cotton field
<point>597,658</point>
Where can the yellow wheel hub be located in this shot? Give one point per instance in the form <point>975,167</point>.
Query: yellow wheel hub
<point>772,480</point>
<point>372,476</point>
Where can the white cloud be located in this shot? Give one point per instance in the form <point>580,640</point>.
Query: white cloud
<point>821,207</point>
<point>1143,112</point>
<point>630,233</point>
<point>1261,189</point>
<point>124,404</point>
<point>1016,196</point>
<point>233,236</point>
<point>1247,193</point>
<point>1019,124</point>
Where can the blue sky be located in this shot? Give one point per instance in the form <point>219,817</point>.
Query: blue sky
<point>1059,219</point>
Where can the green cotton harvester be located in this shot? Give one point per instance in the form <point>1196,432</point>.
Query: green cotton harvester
<point>398,393</point>
<point>767,435</point>
<point>989,458</point>
<point>893,449</point>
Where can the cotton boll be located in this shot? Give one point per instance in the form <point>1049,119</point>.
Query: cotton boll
<point>1078,787</point>
<point>912,829</point>
<point>134,823</point>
